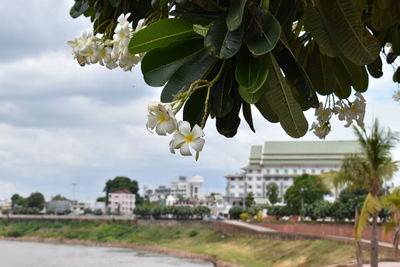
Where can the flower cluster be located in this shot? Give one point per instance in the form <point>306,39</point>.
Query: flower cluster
<point>161,117</point>
<point>91,49</point>
<point>396,95</point>
<point>349,112</point>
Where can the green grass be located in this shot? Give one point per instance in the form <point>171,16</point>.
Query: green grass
<point>252,252</point>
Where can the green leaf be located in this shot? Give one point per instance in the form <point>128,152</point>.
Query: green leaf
<point>235,14</point>
<point>251,73</point>
<point>355,76</point>
<point>228,125</point>
<point>396,75</point>
<point>265,109</point>
<point>296,75</point>
<point>264,34</point>
<point>221,103</point>
<point>338,29</point>
<point>221,42</point>
<point>282,102</point>
<point>246,109</point>
<point>193,110</point>
<point>188,73</point>
<point>160,64</point>
<point>115,3</point>
<point>79,7</point>
<point>320,70</point>
<point>200,29</point>
<point>375,68</point>
<point>162,34</point>
<point>250,97</point>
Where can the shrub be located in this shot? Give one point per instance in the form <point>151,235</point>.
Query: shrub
<point>244,216</point>
<point>235,212</point>
<point>193,233</point>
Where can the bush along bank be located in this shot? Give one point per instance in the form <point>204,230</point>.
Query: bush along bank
<point>172,212</point>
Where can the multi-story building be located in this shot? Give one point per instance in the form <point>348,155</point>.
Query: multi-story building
<point>191,188</point>
<point>280,162</point>
<point>122,201</point>
<point>5,204</point>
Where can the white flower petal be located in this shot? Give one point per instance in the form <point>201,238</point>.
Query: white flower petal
<point>185,151</point>
<point>197,132</point>
<point>151,121</point>
<point>184,128</point>
<point>198,144</point>
<point>177,140</point>
<point>160,129</point>
<point>168,126</point>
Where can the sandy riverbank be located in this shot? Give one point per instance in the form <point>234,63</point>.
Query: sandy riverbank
<point>151,248</point>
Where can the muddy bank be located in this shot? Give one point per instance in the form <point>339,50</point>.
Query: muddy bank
<point>151,248</point>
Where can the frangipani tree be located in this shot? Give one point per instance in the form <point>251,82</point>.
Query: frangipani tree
<point>216,58</point>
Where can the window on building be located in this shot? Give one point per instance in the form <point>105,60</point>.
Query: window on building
<point>241,194</point>
<point>241,186</point>
<point>258,186</point>
<point>304,171</point>
<point>232,186</point>
<point>294,171</point>
<point>266,179</point>
<point>277,171</point>
<point>286,171</point>
<point>250,171</point>
<point>195,190</point>
<point>249,178</point>
<point>249,186</point>
<point>241,179</point>
<point>267,170</point>
<point>322,170</point>
<point>258,178</point>
<point>258,171</point>
<point>258,195</point>
<point>286,178</point>
<point>312,171</point>
<point>232,179</point>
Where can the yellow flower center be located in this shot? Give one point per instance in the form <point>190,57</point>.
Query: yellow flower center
<point>161,118</point>
<point>189,138</point>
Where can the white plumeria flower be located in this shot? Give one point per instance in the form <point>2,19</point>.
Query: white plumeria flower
<point>123,20</point>
<point>321,130</point>
<point>140,25</point>
<point>186,137</point>
<point>396,95</point>
<point>162,119</point>
<point>360,96</point>
<point>341,109</point>
<point>322,114</point>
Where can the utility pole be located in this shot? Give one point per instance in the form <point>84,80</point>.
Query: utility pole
<point>73,191</point>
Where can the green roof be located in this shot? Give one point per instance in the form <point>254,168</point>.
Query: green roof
<point>310,147</point>
<point>301,152</point>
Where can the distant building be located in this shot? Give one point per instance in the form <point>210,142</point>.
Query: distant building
<point>281,162</point>
<point>122,201</point>
<point>191,188</point>
<point>5,204</point>
<point>59,206</point>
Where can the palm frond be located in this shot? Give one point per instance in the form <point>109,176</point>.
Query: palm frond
<point>371,206</point>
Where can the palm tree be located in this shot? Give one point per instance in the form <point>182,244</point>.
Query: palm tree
<point>392,203</point>
<point>367,170</point>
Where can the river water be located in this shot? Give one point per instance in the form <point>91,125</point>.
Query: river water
<point>30,254</point>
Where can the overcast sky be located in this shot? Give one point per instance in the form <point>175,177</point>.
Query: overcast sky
<point>61,124</point>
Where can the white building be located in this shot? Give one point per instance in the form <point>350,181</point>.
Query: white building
<point>281,162</point>
<point>191,188</point>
